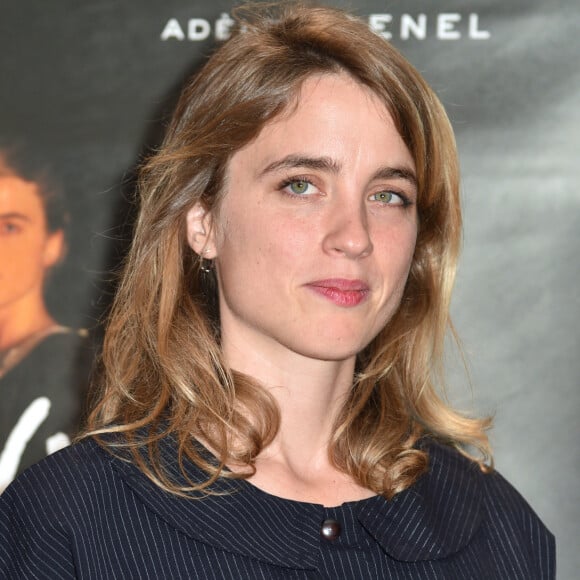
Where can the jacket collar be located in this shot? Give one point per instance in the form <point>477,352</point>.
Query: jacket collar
<point>433,519</point>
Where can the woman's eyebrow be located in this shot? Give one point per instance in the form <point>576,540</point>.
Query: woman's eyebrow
<point>405,173</point>
<point>327,164</point>
<point>294,161</point>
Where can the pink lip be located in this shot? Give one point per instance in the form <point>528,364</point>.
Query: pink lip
<point>341,291</point>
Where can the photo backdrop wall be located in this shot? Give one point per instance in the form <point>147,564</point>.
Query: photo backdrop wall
<point>86,90</point>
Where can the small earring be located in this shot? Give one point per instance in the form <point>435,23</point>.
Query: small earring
<point>205,264</point>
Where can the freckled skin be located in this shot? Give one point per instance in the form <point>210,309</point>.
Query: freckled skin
<point>273,238</point>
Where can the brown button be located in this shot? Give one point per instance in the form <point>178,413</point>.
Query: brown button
<point>330,529</point>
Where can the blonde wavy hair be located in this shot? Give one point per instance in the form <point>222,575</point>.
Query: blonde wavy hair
<point>163,374</point>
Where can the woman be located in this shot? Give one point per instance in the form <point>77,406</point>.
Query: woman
<point>39,378</point>
<point>268,407</point>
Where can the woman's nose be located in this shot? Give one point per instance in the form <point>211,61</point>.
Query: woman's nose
<point>348,233</point>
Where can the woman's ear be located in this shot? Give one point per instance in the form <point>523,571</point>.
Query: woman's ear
<point>200,231</point>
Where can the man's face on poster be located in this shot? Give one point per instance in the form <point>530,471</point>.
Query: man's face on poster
<point>27,248</point>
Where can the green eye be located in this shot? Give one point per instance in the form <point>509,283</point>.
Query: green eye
<point>389,198</point>
<point>299,186</point>
<point>384,196</point>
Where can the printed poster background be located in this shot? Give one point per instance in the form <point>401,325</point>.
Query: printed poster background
<point>87,86</point>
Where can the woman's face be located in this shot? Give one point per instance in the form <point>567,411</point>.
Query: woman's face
<point>27,250</point>
<point>316,230</point>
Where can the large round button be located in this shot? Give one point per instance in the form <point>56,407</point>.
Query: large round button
<point>330,529</point>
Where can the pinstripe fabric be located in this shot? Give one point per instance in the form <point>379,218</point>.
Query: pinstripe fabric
<point>83,514</point>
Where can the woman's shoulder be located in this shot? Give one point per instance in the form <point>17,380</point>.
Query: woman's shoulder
<point>54,505</point>
<point>80,471</point>
<point>462,492</point>
<point>450,470</point>
<point>72,464</point>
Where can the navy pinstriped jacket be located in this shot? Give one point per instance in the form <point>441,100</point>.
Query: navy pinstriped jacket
<point>82,513</point>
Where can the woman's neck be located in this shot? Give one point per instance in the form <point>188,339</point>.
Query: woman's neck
<point>309,394</point>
